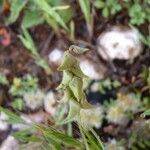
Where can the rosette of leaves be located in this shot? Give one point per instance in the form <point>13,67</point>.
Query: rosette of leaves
<point>137,14</point>
<point>109,7</point>
<point>23,85</point>
<point>72,84</point>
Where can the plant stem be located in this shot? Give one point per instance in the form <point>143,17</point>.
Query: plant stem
<point>83,136</point>
<point>98,139</point>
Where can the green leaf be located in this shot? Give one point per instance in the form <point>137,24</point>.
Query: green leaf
<point>23,85</point>
<point>76,70</point>
<point>67,77</point>
<point>137,14</point>
<point>68,62</point>
<point>85,104</point>
<point>105,12</point>
<point>18,104</point>
<point>60,137</point>
<point>97,138</point>
<point>99,4</point>
<point>93,139</point>
<point>16,7</point>
<point>32,18</point>
<point>25,136</point>
<point>13,118</point>
<point>74,110</point>
<point>52,22</point>
<point>76,85</point>
<point>63,9</point>
<point>28,42</point>
<point>146,113</point>
<point>53,144</point>
<point>85,7</point>
<point>43,5</point>
<point>66,14</point>
<point>67,96</point>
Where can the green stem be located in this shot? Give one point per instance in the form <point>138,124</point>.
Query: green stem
<point>83,136</point>
<point>98,139</point>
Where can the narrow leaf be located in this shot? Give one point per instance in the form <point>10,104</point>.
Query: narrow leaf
<point>13,118</point>
<point>16,7</point>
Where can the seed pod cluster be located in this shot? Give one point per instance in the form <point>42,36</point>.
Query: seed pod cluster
<point>72,84</point>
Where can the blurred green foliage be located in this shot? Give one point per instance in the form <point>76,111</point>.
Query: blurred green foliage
<point>108,7</point>
<point>3,80</point>
<point>23,85</point>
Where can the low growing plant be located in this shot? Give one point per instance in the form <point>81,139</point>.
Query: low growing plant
<point>23,85</point>
<point>108,7</point>
<point>107,84</point>
<point>137,14</point>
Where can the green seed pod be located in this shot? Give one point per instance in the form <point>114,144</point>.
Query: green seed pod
<point>68,62</point>
<point>67,77</point>
<point>76,70</point>
<point>71,64</point>
<point>72,84</point>
<point>67,95</point>
<point>85,104</point>
<point>76,85</point>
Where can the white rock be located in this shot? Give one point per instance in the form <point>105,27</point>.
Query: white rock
<point>119,43</point>
<point>9,144</point>
<point>88,69</point>
<point>55,56</point>
<point>49,103</point>
<point>34,100</point>
<point>3,121</point>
